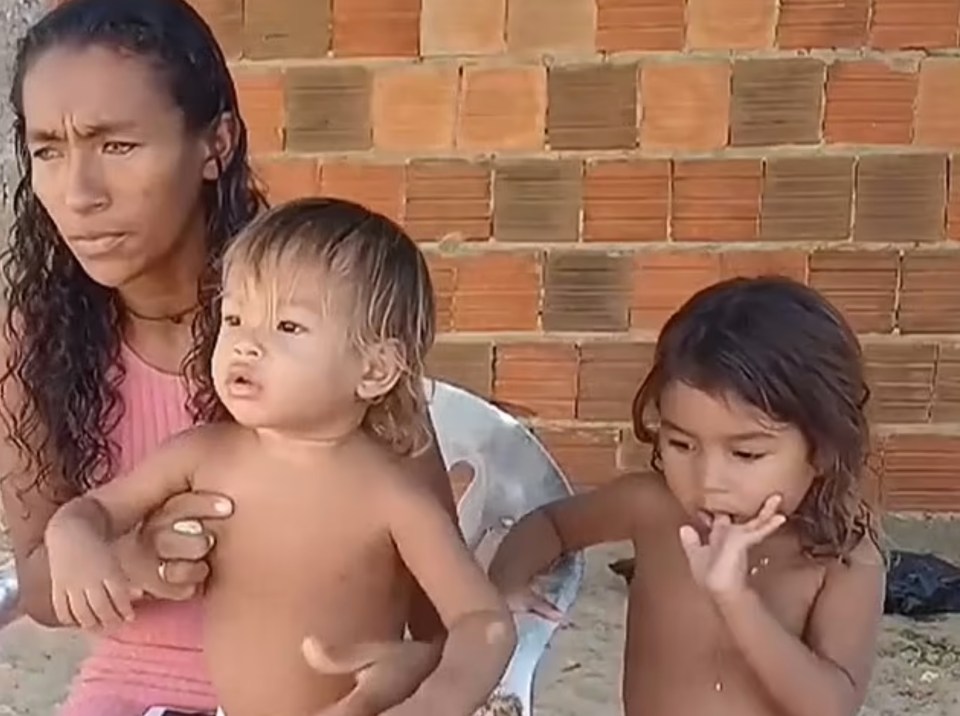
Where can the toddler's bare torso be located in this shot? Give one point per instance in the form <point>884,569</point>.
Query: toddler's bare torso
<point>678,657</point>
<point>306,553</point>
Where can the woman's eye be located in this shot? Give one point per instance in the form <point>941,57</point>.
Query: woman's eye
<point>119,148</point>
<point>747,455</point>
<point>44,154</point>
<point>231,320</point>
<point>290,327</point>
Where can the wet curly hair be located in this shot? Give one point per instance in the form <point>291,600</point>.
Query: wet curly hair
<point>783,348</point>
<point>62,328</point>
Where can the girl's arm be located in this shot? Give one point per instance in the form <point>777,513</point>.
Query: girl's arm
<point>607,514</point>
<point>827,673</point>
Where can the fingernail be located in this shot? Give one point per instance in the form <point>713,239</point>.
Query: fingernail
<point>188,527</point>
<point>223,507</point>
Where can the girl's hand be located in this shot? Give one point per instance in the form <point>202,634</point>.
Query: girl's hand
<point>528,601</point>
<point>89,587</point>
<point>386,674</point>
<point>720,565</point>
<point>167,556</point>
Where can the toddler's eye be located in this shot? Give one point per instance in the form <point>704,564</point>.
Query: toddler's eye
<point>231,320</point>
<point>679,445</point>
<point>290,327</point>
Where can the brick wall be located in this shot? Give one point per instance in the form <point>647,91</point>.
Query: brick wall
<point>576,168</point>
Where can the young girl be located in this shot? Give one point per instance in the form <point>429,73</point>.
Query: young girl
<point>758,584</point>
<point>327,315</point>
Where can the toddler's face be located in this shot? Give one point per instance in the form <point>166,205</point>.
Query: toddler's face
<point>283,359</point>
<point>722,455</point>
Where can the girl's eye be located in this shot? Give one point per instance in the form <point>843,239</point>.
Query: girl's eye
<point>119,148</point>
<point>679,445</point>
<point>44,154</point>
<point>290,327</point>
<point>748,456</point>
<point>231,320</point>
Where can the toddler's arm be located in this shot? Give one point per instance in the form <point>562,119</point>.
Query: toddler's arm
<point>481,635</point>
<point>827,673</point>
<point>89,588</point>
<point>607,514</point>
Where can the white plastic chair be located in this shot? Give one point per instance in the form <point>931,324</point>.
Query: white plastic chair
<point>513,475</point>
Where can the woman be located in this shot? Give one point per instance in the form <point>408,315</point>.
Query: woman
<point>134,175</point>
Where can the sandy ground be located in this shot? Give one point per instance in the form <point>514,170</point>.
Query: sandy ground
<point>917,672</point>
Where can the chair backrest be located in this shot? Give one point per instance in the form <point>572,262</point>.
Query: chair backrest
<point>513,475</point>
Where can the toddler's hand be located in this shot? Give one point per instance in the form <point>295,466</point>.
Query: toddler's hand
<point>89,587</point>
<point>720,565</point>
<point>528,601</point>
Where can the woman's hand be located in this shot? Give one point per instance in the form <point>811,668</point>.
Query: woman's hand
<point>167,556</point>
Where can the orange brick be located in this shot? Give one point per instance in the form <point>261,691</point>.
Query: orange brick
<point>443,274</point>
<point>938,103</point>
<point>288,178</point>
<point>685,106</point>
<point>869,103</point>
<point>626,200</point>
<point>414,108</point>
<point>497,291</point>
<point>448,198</point>
<point>463,27</point>
<point>225,18</point>
<point>587,456</point>
<point>376,186</point>
<point>946,386</point>
<point>930,292</point>
<point>914,24</point>
<point>716,200</point>
<point>792,264</point>
<point>920,472</point>
<point>731,24</point>
<point>539,377</point>
<point>662,282</point>
<point>548,26</point>
<point>822,24</point>
<point>624,25</point>
<point>503,108</point>
<point>261,104</point>
<point>376,28</point>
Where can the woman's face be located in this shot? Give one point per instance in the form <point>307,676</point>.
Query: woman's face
<point>113,163</point>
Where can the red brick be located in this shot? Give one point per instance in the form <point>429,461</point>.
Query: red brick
<point>287,178</point>
<point>284,29</point>
<point>946,388</point>
<point>414,107</point>
<point>823,24</point>
<point>448,198</point>
<point>468,365</point>
<point>546,26</point>
<point>920,472</point>
<point>626,200</point>
<point>914,24</point>
<point>716,200</point>
<point>869,103</point>
<point>938,102</point>
<point>587,456</point>
<point>649,25</point>
<point>930,292</point>
<point>376,28</point>
<point>731,24</point>
<point>261,104</point>
<point>662,282</point>
<point>862,284</point>
<point>610,375</point>
<point>225,18</point>
<point>686,106</point>
<point>377,186</point>
<point>953,201</point>
<point>503,108</point>
<point>901,378</point>
<point>443,274</point>
<point>463,27</point>
<point>539,377</point>
<point>497,291</point>
<point>792,264</point>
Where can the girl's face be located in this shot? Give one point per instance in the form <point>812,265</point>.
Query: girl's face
<point>113,164</point>
<point>722,455</point>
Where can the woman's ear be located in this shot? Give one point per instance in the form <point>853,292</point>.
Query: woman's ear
<point>383,365</point>
<point>221,145</point>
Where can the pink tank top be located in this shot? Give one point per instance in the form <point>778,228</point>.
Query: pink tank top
<point>156,659</point>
